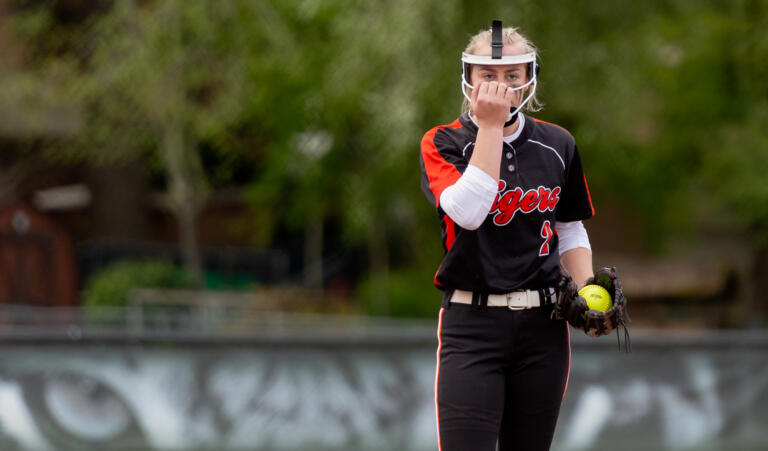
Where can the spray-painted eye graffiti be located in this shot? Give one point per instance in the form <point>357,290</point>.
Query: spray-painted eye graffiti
<point>74,399</point>
<point>79,412</point>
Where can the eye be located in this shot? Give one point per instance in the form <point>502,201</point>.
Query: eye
<point>488,76</point>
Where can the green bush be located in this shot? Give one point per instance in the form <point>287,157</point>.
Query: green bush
<point>410,292</point>
<point>111,285</point>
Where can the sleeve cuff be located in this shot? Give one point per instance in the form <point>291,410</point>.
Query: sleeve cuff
<point>479,181</point>
<point>571,235</point>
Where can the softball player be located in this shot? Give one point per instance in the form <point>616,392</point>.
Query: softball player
<point>511,194</point>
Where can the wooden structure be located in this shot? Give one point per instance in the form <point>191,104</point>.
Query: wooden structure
<point>37,265</point>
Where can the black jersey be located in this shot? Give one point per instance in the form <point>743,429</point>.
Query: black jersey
<point>541,181</point>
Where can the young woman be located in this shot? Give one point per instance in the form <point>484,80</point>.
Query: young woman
<point>511,194</point>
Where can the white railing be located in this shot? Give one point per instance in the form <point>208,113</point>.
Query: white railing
<point>220,317</point>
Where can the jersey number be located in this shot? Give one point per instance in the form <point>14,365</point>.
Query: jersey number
<point>546,233</point>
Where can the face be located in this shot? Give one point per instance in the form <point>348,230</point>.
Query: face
<point>511,74</point>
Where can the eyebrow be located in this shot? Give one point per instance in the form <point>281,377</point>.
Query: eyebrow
<point>490,69</point>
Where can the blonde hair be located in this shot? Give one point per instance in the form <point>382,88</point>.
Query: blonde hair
<point>510,36</point>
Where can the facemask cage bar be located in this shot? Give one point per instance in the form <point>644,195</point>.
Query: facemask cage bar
<point>497,59</point>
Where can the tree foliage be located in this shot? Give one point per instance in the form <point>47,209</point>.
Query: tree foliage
<point>330,98</point>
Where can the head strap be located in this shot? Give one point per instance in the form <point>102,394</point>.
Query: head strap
<point>497,43</point>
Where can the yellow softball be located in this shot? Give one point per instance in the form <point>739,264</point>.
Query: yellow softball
<point>596,296</point>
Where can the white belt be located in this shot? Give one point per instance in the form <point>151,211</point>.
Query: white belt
<point>514,300</point>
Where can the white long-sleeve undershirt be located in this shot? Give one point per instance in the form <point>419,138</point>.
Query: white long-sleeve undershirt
<point>469,200</point>
<point>571,235</point>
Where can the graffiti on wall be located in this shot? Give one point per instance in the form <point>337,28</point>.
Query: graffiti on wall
<point>185,398</point>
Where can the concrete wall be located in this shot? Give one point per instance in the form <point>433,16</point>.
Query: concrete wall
<point>696,392</point>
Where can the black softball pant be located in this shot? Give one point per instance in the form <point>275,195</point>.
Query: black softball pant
<point>501,376</point>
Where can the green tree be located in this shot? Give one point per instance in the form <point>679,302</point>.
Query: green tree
<point>360,83</point>
<point>666,101</point>
<point>164,78</point>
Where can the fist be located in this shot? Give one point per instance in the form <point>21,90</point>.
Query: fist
<point>491,103</point>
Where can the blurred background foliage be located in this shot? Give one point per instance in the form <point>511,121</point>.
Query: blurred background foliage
<point>315,110</point>
<point>112,286</point>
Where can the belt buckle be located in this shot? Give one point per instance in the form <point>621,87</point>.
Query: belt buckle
<point>515,307</point>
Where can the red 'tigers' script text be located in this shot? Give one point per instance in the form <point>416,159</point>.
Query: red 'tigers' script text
<point>508,202</point>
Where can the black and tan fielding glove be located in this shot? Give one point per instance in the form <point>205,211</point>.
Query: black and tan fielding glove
<point>573,307</point>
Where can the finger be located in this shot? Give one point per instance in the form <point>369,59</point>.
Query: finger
<point>503,88</point>
<point>476,93</point>
<point>509,94</point>
<point>483,89</point>
<point>493,87</point>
